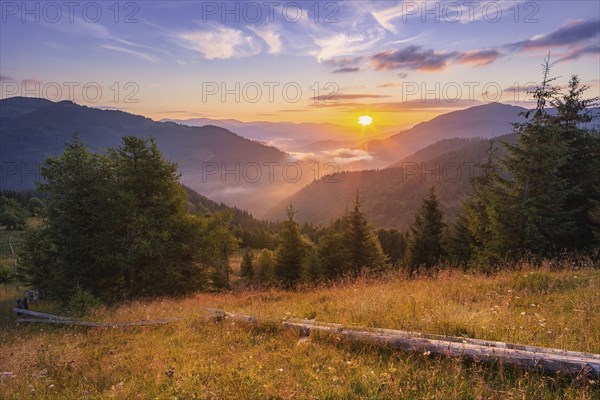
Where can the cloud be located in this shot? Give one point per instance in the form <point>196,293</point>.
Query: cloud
<point>399,106</point>
<point>337,97</point>
<point>220,42</point>
<point>341,156</point>
<point>342,44</point>
<point>593,49</point>
<point>412,58</point>
<point>4,78</point>
<point>142,55</point>
<point>389,85</point>
<point>346,156</point>
<point>346,70</point>
<point>478,58</point>
<point>270,37</point>
<point>571,33</point>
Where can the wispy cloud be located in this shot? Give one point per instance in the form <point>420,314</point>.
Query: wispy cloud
<point>220,42</point>
<point>142,55</point>
<point>478,58</point>
<point>412,58</point>
<point>344,44</point>
<point>571,33</point>
<point>345,70</point>
<point>593,49</point>
<point>338,97</point>
<point>270,36</point>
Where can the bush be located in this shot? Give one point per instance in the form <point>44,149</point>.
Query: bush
<point>82,301</point>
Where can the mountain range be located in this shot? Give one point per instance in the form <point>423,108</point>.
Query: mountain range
<point>222,165</point>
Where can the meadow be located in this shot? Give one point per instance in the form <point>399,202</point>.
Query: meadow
<point>199,358</point>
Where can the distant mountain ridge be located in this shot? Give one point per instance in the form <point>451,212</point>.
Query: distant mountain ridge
<point>391,196</point>
<point>484,121</point>
<point>32,129</point>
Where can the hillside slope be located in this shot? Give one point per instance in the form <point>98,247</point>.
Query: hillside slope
<point>391,196</point>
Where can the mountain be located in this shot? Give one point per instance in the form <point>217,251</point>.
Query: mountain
<point>211,159</point>
<point>391,196</point>
<point>484,121</point>
<point>287,136</point>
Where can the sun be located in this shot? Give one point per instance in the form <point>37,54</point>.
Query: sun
<point>365,120</point>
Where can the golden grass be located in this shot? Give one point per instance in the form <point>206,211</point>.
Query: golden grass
<point>199,358</point>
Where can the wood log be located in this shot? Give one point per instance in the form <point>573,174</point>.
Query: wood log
<point>487,343</point>
<point>21,311</point>
<point>96,324</point>
<point>531,357</point>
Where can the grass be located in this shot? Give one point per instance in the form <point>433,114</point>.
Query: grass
<point>200,358</point>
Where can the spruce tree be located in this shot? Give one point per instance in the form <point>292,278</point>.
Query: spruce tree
<point>425,243</point>
<point>290,252</point>
<point>361,242</point>
<point>246,267</point>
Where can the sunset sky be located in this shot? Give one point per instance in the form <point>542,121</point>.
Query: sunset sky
<point>377,58</point>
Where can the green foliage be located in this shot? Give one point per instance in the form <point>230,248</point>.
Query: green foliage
<point>333,254</point>
<point>311,267</point>
<point>393,244</point>
<point>290,252</point>
<point>117,224</point>
<point>82,301</point>
<point>425,241</point>
<point>246,267</point>
<point>460,242</point>
<point>35,206</point>
<point>363,247</point>
<point>539,198</point>
<point>6,277</point>
<point>265,267</point>
<point>12,214</point>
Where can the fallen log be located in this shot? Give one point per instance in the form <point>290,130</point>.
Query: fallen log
<point>43,318</point>
<point>96,324</point>
<point>21,311</point>
<point>531,357</point>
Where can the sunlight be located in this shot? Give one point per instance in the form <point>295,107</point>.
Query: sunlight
<point>365,120</point>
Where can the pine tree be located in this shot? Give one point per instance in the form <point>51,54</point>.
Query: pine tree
<point>117,226</point>
<point>361,242</point>
<point>290,252</point>
<point>333,254</point>
<point>425,243</point>
<point>265,267</point>
<point>538,198</point>
<point>246,267</point>
<point>460,243</point>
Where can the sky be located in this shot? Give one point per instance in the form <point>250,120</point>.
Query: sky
<point>401,62</point>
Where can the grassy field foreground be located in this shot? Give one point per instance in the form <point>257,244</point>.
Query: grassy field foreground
<point>200,358</point>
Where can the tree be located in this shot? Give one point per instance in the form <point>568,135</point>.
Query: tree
<point>361,242</point>
<point>6,278</point>
<point>311,266</point>
<point>35,206</point>
<point>117,225</point>
<point>425,243</point>
<point>393,244</point>
<point>265,267</point>
<point>537,199</point>
<point>289,253</point>
<point>333,254</point>
<point>246,267</point>
<point>12,214</point>
<point>460,243</point>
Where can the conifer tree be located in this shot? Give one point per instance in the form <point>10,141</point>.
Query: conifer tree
<point>361,242</point>
<point>425,243</point>
<point>247,267</point>
<point>290,252</point>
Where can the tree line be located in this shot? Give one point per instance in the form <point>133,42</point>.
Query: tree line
<point>119,225</point>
